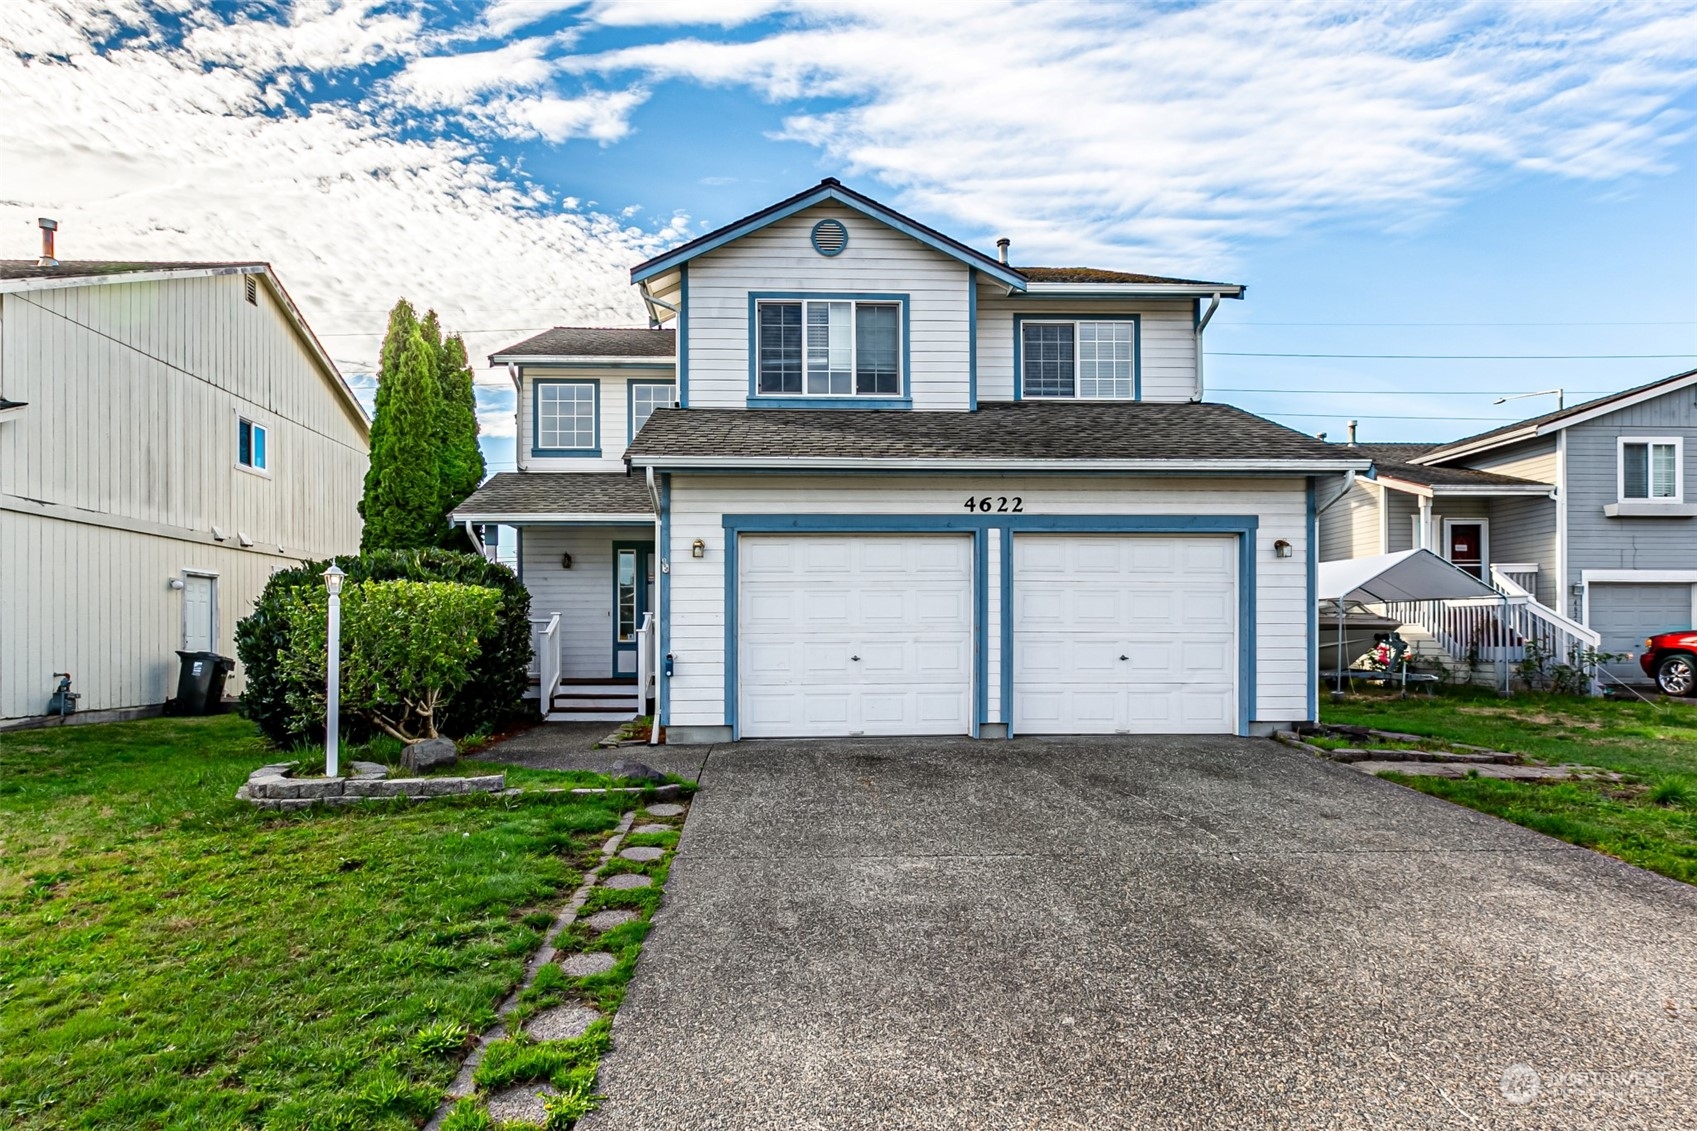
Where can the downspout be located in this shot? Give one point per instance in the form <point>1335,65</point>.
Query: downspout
<point>476,542</point>
<point>1348,486</point>
<point>1201,325</point>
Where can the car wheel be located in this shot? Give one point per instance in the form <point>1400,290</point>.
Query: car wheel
<point>1677,675</point>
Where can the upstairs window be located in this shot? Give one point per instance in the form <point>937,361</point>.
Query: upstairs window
<point>1650,469</point>
<point>645,397</point>
<point>566,419</point>
<point>828,348</point>
<point>250,445</point>
<point>1086,359</point>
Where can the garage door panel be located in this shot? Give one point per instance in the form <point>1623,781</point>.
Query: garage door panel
<point>1166,602</point>
<point>1626,613</point>
<point>901,603</point>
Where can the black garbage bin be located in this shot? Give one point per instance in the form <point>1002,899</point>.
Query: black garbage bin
<point>200,684</point>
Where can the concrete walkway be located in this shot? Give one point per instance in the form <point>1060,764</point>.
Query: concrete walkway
<point>1139,933</point>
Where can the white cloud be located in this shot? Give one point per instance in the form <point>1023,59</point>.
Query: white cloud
<point>599,116</point>
<point>1181,131</point>
<point>454,80</point>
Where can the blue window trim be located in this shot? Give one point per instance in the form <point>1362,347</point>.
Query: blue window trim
<point>972,340</point>
<point>756,400</point>
<point>630,403</point>
<point>1310,551</point>
<point>683,336</point>
<point>1244,527</point>
<point>536,448</point>
<point>1019,321</point>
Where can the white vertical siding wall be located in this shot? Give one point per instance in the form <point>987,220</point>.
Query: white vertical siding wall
<point>615,415</point>
<point>113,478</point>
<point>697,614</point>
<point>583,595</point>
<point>878,260</point>
<point>1166,340</point>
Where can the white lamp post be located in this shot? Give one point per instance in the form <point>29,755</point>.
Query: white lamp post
<point>333,675</point>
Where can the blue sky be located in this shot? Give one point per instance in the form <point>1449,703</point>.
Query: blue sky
<point>1425,179</point>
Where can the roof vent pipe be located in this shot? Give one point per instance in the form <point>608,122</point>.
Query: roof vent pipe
<point>1002,250</point>
<point>48,227</point>
<point>1352,433</point>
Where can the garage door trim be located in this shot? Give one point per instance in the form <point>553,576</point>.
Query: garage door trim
<point>1244,526</point>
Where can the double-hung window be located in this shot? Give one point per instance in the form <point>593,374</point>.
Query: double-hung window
<point>1650,469</point>
<point>828,348</point>
<point>250,445</point>
<point>645,397</point>
<point>1087,359</point>
<point>566,418</point>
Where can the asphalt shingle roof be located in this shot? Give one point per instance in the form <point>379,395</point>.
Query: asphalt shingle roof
<point>1080,430</point>
<point>559,492</point>
<point>1563,414</point>
<point>82,268</point>
<point>1101,275</point>
<point>596,341</point>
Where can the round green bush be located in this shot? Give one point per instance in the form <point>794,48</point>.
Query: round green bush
<point>500,677</point>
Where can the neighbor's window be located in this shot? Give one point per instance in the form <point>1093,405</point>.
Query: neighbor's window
<point>645,397</point>
<point>1089,360</point>
<point>250,444</point>
<point>565,417</point>
<point>829,348</point>
<point>1649,469</point>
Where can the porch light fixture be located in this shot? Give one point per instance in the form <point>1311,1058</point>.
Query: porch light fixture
<point>1282,549</point>
<point>565,561</point>
<point>698,549</point>
<point>333,673</point>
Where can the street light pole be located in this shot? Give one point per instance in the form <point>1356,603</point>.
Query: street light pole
<point>333,675</point>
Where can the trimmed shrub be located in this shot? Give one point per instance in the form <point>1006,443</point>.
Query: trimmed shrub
<point>499,675</point>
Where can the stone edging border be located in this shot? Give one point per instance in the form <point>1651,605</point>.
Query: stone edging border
<point>1451,752</point>
<point>463,1084</point>
<point>275,787</point>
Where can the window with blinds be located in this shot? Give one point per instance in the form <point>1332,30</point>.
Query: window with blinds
<point>828,348</point>
<point>1080,358</point>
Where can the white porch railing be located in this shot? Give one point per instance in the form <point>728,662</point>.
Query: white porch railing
<point>1559,637</point>
<point>545,657</point>
<point>646,639</point>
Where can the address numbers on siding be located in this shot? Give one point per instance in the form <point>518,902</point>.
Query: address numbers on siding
<point>995,504</point>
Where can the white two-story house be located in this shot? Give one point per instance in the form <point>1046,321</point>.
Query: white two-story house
<point>862,479</point>
<point>1587,514</point>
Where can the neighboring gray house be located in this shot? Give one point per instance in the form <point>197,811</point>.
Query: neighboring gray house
<point>1591,510</point>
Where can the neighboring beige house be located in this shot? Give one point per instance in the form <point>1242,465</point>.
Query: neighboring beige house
<point>170,434</point>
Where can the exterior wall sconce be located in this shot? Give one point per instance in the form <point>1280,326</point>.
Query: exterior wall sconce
<point>565,561</point>
<point>176,583</point>
<point>1282,549</point>
<point>698,549</point>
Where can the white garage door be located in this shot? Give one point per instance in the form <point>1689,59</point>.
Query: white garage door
<point>1624,614</point>
<point>1125,634</point>
<point>854,634</point>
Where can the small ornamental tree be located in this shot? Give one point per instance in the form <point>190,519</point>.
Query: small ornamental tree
<point>500,674</point>
<point>407,648</point>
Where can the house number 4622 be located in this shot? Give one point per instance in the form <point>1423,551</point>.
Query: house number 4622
<point>996,504</point>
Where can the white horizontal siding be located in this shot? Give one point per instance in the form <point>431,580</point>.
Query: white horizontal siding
<point>1350,527</point>
<point>97,603</point>
<point>1166,341</point>
<point>614,421</point>
<point>878,260</point>
<point>583,595</point>
<point>697,613</point>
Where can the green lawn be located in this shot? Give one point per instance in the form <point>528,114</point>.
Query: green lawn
<point>171,958</point>
<point>1649,820</point>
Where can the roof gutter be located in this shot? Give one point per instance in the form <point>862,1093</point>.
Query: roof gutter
<point>581,361</point>
<point>837,463</point>
<point>1132,290</point>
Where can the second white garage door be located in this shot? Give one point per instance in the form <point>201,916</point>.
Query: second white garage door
<point>1125,634</point>
<point>854,634</point>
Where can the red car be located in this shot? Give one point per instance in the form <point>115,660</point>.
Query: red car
<point>1671,660</point>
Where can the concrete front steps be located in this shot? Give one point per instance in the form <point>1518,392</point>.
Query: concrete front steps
<point>594,700</point>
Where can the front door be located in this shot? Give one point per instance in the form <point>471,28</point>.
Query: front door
<point>633,595</point>
<point>1467,547</point>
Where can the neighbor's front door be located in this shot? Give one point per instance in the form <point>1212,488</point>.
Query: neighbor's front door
<point>1467,547</point>
<point>633,595</point>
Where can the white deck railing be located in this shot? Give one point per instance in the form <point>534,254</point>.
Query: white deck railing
<point>545,657</point>
<point>1560,637</point>
<point>646,638</point>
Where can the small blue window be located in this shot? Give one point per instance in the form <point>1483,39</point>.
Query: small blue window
<point>830,237</point>
<point>250,444</point>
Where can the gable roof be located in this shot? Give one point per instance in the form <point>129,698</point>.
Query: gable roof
<point>578,343</point>
<point>828,189</point>
<point>1550,422</point>
<point>1095,435</point>
<point>1101,275</point>
<point>21,275</point>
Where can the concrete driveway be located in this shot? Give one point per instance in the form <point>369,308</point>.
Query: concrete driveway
<point>1139,933</point>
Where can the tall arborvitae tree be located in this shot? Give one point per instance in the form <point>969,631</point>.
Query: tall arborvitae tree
<point>460,460</point>
<point>403,493</point>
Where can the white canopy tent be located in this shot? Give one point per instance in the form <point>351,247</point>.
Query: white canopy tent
<point>1410,575</point>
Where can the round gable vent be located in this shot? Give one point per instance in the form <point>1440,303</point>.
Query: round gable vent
<point>830,237</point>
